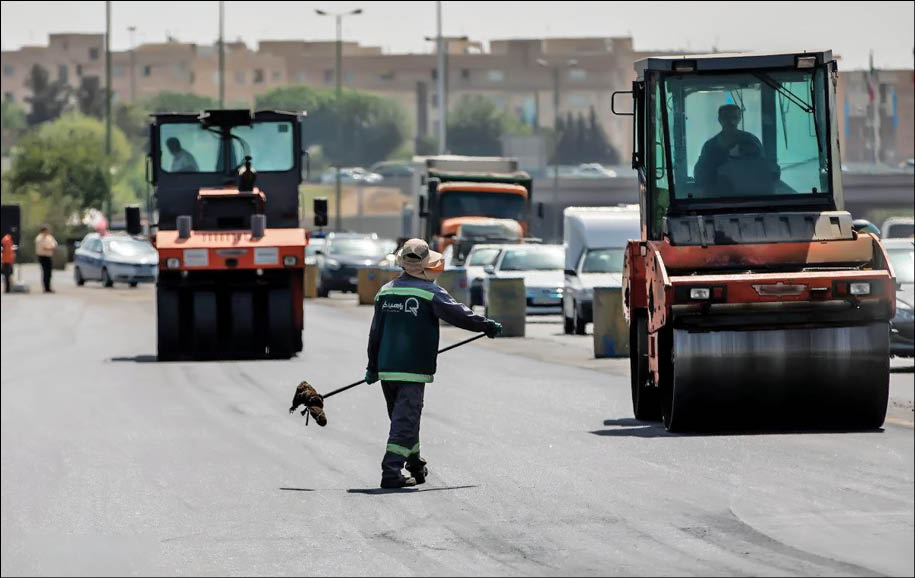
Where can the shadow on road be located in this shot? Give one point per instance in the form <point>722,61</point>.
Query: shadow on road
<point>137,358</point>
<point>381,491</point>
<point>910,369</point>
<point>297,489</point>
<point>630,427</point>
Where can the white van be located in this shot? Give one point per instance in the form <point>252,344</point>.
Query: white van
<point>595,240</point>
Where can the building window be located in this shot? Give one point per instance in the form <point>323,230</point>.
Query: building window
<point>328,76</point>
<point>301,77</point>
<point>578,74</point>
<point>348,78</point>
<point>193,77</point>
<point>239,77</point>
<point>465,73</point>
<point>79,70</point>
<point>578,100</point>
<point>215,77</point>
<point>276,76</point>
<point>62,73</point>
<point>147,70</point>
<point>93,53</point>
<point>495,76</point>
<point>258,76</point>
<point>434,74</point>
<point>9,97</point>
<point>117,70</point>
<point>386,76</point>
<point>9,70</point>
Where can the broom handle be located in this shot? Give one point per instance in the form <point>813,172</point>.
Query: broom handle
<point>360,382</point>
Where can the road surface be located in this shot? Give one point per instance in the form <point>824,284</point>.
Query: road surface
<point>114,464</point>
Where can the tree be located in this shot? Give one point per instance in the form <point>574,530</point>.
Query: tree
<point>178,102</point>
<point>49,99</point>
<point>599,148</point>
<point>12,125</point>
<point>90,97</point>
<point>475,127</point>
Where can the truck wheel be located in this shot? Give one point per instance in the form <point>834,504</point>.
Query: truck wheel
<point>78,277</point>
<point>645,403</point>
<point>107,281</point>
<point>242,339</point>
<point>280,339</point>
<point>580,324</point>
<point>206,323</point>
<point>168,324</point>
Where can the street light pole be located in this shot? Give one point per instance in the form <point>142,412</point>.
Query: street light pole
<point>108,107</point>
<point>133,77</point>
<point>338,73</point>
<point>442,107</point>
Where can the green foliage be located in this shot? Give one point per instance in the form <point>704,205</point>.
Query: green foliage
<point>426,145</point>
<point>59,170</point>
<point>583,141</point>
<point>90,97</point>
<point>178,102</point>
<point>475,127</point>
<point>49,99</point>
<point>13,117</point>
<point>357,129</point>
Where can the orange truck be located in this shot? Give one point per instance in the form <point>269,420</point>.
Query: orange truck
<point>457,191</point>
<point>231,251</point>
<point>751,299</point>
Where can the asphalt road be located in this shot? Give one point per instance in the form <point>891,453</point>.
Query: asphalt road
<point>115,464</point>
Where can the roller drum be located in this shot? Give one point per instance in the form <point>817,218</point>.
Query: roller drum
<point>835,377</point>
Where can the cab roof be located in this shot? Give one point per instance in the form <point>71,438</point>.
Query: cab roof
<point>732,60</point>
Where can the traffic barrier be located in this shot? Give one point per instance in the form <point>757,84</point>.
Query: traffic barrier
<point>311,281</point>
<point>371,280</point>
<point>506,302</point>
<point>611,334</point>
<point>454,281</point>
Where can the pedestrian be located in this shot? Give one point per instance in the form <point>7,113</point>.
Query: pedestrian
<point>9,258</point>
<point>402,351</point>
<point>45,244</point>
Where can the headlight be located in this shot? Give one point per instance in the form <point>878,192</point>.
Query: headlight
<point>173,263</point>
<point>290,260</point>
<point>700,293</point>
<point>332,264</point>
<point>859,288</point>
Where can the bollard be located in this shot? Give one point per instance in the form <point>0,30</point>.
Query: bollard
<point>368,284</point>
<point>506,302</point>
<point>611,334</point>
<point>454,281</point>
<point>311,280</point>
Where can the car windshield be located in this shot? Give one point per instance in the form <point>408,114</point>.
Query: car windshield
<point>190,148</point>
<point>129,247</point>
<point>903,264</point>
<point>533,259</point>
<point>897,230</point>
<point>603,261</point>
<point>360,247</point>
<point>480,204</point>
<point>483,257</point>
<point>313,247</point>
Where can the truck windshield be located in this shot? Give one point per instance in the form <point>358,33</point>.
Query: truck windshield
<point>190,148</point>
<point>742,135</point>
<point>471,204</point>
<point>603,261</point>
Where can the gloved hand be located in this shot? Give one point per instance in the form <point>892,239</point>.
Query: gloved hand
<point>493,328</point>
<point>371,377</point>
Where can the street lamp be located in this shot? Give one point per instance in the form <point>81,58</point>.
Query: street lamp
<point>339,70</point>
<point>555,68</point>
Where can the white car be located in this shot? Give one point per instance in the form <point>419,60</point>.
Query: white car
<point>592,171</point>
<point>350,176</point>
<point>115,257</point>
<point>541,268</point>
<point>479,257</point>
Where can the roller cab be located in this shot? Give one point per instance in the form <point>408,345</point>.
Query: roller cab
<point>751,300</point>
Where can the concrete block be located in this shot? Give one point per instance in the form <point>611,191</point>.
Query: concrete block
<point>611,334</point>
<point>454,281</point>
<point>312,272</point>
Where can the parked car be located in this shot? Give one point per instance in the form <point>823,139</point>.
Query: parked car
<point>592,171</point>
<point>595,241</point>
<point>115,258</point>
<point>541,268</point>
<point>315,245</point>
<point>344,254</point>
<point>902,327</point>
<point>479,257</point>
<point>896,227</point>
<point>392,169</point>
<point>350,176</point>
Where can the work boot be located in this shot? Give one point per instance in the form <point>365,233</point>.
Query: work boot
<point>418,470</point>
<point>401,482</point>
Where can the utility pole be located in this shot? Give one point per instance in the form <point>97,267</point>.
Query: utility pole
<point>222,56</point>
<point>108,108</point>
<point>133,76</point>
<point>338,74</point>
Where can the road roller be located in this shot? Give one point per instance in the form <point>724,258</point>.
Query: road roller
<point>751,300</point>
<point>231,250</point>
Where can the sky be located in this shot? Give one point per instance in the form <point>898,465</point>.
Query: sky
<point>851,29</point>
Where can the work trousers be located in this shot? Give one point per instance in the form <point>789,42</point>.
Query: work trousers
<point>45,272</point>
<point>7,273</point>
<point>405,407</point>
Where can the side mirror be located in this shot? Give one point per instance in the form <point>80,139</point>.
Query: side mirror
<point>541,210</point>
<point>320,209</point>
<point>571,273</point>
<point>423,212</point>
<point>489,269</point>
<point>613,103</point>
